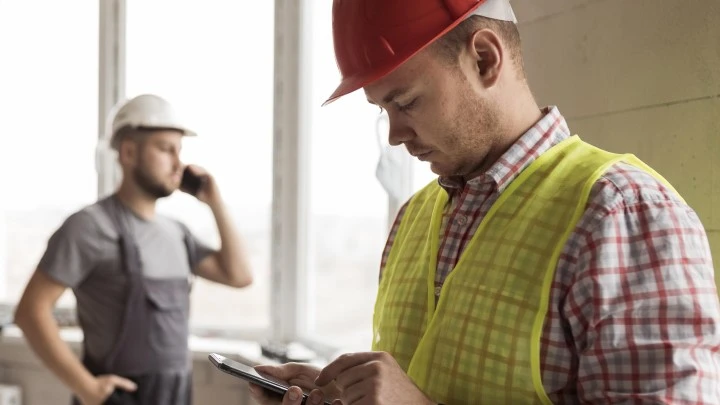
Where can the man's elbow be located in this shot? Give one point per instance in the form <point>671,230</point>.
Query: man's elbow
<point>242,281</point>
<point>24,316</point>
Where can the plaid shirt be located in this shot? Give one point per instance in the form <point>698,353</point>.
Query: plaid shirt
<point>633,315</point>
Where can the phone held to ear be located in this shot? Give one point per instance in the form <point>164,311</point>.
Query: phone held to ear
<point>191,183</point>
<point>247,373</point>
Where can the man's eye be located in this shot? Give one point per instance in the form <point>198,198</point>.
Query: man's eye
<point>408,106</point>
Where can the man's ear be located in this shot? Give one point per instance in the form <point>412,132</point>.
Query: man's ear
<point>127,152</point>
<point>486,48</point>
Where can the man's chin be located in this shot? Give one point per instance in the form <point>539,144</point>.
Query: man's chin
<point>171,187</point>
<point>160,192</point>
<point>442,170</point>
<point>169,191</point>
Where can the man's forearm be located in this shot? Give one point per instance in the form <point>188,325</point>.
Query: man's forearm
<point>43,335</point>
<point>233,256</point>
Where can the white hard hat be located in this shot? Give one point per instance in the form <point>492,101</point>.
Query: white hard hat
<point>145,111</point>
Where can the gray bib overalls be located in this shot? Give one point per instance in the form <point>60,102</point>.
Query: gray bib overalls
<point>152,347</point>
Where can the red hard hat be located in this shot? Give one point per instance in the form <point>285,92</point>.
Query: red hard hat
<point>373,37</point>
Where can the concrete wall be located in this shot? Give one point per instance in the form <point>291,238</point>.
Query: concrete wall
<point>638,76</point>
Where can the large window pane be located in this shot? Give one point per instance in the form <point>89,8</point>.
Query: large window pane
<point>348,207</point>
<point>214,61</point>
<point>48,104</point>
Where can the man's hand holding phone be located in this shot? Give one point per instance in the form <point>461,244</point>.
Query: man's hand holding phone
<point>301,377</point>
<point>198,182</point>
<point>371,378</point>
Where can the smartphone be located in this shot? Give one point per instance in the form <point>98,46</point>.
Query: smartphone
<point>191,183</point>
<point>247,373</point>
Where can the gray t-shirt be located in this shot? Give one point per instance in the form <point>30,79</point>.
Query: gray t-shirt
<point>84,255</point>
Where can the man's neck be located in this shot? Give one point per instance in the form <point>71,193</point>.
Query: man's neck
<point>137,201</point>
<point>519,117</point>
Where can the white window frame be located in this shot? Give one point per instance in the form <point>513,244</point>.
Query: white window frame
<point>111,87</point>
<point>289,258</point>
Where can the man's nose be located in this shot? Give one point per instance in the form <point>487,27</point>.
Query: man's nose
<point>399,134</point>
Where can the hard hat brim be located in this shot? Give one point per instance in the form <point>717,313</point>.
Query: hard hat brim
<point>184,131</point>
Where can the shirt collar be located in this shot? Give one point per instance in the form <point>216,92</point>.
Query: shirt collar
<point>550,130</point>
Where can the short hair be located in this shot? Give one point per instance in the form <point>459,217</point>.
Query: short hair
<point>137,134</point>
<point>451,44</point>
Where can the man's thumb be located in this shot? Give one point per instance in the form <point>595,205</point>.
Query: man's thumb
<point>123,383</point>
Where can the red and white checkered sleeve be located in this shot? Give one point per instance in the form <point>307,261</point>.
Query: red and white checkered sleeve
<point>643,307</point>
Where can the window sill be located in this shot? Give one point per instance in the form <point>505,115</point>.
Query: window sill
<point>244,351</point>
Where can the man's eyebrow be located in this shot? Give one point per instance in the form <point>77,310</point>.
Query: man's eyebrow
<point>391,96</point>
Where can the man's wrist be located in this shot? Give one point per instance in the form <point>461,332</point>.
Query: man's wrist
<point>86,387</point>
<point>216,205</point>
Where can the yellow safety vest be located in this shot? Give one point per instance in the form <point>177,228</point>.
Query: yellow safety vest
<point>482,342</point>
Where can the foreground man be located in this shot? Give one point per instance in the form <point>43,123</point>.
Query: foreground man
<point>538,268</point>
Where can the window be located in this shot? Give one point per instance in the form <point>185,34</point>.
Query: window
<point>214,61</point>
<point>49,104</point>
<point>348,207</point>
